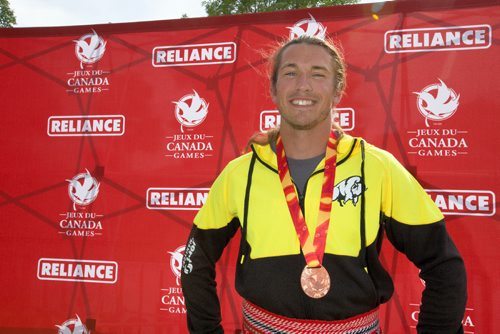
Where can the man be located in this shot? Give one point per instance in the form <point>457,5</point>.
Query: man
<point>313,204</point>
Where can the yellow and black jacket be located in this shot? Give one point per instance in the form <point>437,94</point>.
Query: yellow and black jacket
<point>373,193</point>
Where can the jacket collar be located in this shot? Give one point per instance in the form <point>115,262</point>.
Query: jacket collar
<point>344,149</point>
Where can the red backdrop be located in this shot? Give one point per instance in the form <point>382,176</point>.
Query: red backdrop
<point>112,134</point>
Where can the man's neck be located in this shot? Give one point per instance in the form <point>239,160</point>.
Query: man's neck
<point>304,144</point>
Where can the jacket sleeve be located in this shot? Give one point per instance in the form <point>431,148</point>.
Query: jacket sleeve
<point>416,227</point>
<point>213,228</point>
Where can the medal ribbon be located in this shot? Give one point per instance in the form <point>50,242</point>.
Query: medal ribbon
<point>313,249</point>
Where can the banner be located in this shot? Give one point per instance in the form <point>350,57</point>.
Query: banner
<point>113,134</point>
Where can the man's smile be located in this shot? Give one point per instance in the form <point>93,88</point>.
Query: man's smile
<point>302,102</point>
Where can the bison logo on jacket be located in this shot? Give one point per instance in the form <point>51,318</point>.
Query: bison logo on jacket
<point>348,190</point>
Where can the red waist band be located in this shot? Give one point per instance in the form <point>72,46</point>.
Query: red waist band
<point>258,321</point>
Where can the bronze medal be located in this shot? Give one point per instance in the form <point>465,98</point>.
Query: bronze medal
<point>315,281</point>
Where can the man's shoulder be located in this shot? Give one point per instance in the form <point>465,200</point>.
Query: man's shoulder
<point>374,154</point>
<point>352,146</point>
<point>238,164</point>
<point>383,159</point>
<point>378,153</point>
<point>240,160</point>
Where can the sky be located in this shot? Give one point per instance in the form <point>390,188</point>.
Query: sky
<point>44,13</point>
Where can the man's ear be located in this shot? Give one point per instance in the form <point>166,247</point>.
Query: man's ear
<point>272,90</point>
<point>336,99</point>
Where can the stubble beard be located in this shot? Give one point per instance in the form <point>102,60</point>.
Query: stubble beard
<point>308,126</point>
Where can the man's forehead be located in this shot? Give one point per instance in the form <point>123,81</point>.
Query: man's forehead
<point>326,67</point>
<point>300,55</point>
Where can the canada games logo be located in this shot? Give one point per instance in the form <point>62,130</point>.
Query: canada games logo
<point>176,262</point>
<point>172,299</point>
<point>437,103</point>
<point>190,111</point>
<point>89,49</point>
<point>72,326</point>
<point>83,190</point>
<point>307,27</point>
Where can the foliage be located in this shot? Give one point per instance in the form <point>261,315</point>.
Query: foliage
<point>228,7</point>
<point>7,17</point>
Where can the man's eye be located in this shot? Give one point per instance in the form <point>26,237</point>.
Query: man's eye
<point>290,74</point>
<point>318,75</point>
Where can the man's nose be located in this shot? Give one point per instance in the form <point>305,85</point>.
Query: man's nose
<point>304,83</point>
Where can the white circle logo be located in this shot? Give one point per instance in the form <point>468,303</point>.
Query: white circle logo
<point>90,48</point>
<point>75,324</point>
<point>83,189</point>
<point>176,261</point>
<point>437,102</point>
<point>308,27</point>
<point>191,110</point>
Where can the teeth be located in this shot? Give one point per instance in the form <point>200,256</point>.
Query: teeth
<point>302,102</point>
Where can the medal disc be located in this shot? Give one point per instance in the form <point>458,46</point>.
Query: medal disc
<point>315,281</point>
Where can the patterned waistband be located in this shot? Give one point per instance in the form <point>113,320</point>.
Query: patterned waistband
<point>258,321</point>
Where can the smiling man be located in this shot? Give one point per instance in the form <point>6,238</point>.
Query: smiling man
<point>313,204</point>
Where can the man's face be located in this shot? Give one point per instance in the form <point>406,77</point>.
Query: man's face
<point>305,86</point>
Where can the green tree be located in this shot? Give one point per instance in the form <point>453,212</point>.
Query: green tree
<point>228,7</point>
<point>7,17</point>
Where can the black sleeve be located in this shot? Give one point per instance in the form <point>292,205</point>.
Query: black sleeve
<point>431,249</point>
<point>203,250</point>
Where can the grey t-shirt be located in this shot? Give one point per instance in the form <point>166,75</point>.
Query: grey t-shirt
<point>301,169</point>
